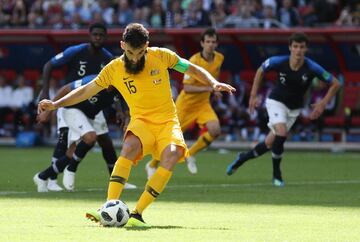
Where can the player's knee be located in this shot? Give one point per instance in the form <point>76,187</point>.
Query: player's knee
<point>130,148</point>
<point>268,144</point>
<point>213,128</point>
<point>214,132</point>
<point>177,154</point>
<point>281,130</point>
<point>89,138</point>
<point>174,154</point>
<point>171,159</point>
<point>269,140</point>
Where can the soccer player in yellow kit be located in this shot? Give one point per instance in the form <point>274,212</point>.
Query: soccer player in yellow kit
<point>141,76</point>
<point>193,102</point>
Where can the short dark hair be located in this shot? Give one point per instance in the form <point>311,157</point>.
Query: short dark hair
<point>299,37</point>
<point>136,35</point>
<point>209,32</point>
<point>97,25</point>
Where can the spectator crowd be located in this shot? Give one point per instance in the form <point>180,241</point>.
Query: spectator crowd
<point>16,106</point>
<point>75,14</point>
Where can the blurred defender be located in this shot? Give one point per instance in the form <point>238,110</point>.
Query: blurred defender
<point>193,102</point>
<point>295,75</point>
<point>80,60</point>
<point>85,126</point>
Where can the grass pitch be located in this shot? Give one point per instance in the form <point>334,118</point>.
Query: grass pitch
<point>320,202</point>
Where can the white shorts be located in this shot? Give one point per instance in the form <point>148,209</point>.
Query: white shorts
<point>79,124</point>
<point>60,119</point>
<point>279,113</point>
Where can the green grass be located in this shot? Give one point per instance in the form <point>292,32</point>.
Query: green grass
<point>320,202</point>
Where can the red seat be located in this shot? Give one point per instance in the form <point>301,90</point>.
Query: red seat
<point>351,97</point>
<point>58,74</point>
<point>224,76</point>
<point>9,75</point>
<point>338,121</point>
<point>355,121</point>
<point>32,75</point>
<point>247,75</point>
<point>352,77</point>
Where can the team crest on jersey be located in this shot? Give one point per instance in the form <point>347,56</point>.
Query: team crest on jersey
<point>157,82</point>
<point>304,78</point>
<point>154,72</point>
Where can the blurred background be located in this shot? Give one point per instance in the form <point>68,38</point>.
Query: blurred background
<point>33,31</point>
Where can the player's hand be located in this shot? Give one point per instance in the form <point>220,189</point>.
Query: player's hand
<point>43,117</point>
<point>46,105</point>
<point>318,109</point>
<point>253,103</point>
<point>223,87</point>
<point>218,95</point>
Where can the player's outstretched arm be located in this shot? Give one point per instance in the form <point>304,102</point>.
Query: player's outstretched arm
<point>76,96</point>
<point>202,75</point>
<point>319,107</point>
<point>47,69</point>
<point>196,89</point>
<point>254,89</point>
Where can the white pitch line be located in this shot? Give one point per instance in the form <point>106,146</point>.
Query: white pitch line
<point>240,185</point>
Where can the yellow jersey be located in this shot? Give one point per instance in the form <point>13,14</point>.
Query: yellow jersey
<point>148,93</point>
<point>199,98</point>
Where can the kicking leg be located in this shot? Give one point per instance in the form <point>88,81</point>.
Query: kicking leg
<point>260,149</point>
<point>156,184</point>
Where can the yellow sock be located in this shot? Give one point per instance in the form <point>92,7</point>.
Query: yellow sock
<point>154,163</point>
<point>153,188</point>
<point>118,177</point>
<point>202,142</point>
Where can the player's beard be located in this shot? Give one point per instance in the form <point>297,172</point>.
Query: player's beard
<point>134,68</point>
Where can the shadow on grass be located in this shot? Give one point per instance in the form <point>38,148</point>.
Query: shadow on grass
<point>174,227</point>
<point>155,227</point>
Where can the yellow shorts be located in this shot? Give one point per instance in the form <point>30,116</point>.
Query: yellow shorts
<point>199,115</point>
<point>156,137</point>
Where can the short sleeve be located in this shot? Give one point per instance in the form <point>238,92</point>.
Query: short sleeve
<point>105,77</point>
<point>168,57</point>
<point>319,71</point>
<point>273,62</point>
<point>65,56</point>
